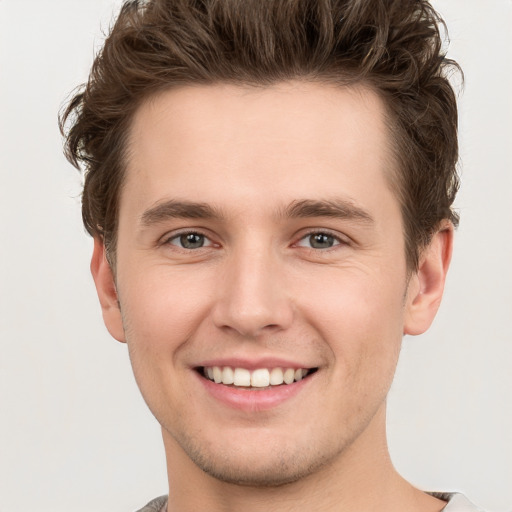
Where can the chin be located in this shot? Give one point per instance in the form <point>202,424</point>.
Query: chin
<point>256,480</point>
<point>270,468</point>
<point>265,475</point>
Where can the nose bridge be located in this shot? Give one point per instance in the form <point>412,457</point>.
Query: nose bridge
<point>252,297</point>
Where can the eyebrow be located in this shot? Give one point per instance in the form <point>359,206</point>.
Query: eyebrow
<point>336,208</point>
<point>174,209</point>
<point>304,208</point>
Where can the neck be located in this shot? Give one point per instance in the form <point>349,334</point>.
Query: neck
<point>362,478</point>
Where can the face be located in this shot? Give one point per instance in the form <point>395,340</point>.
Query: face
<point>261,275</point>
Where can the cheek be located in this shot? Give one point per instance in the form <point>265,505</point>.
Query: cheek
<point>360,317</point>
<point>162,308</point>
<point>160,313</point>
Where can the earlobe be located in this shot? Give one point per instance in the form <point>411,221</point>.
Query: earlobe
<point>426,286</point>
<point>106,289</point>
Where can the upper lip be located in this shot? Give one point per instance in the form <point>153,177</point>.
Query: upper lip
<point>254,364</point>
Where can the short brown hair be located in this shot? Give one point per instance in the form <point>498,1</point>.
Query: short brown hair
<point>392,46</point>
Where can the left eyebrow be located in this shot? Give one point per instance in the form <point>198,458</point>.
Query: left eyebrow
<point>175,209</point>
<point>337,208</point>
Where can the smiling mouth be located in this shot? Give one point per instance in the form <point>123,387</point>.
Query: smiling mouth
<point>261,378</point>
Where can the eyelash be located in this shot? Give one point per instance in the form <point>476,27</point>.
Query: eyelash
<point>167,240</point>
<point>337,240</point>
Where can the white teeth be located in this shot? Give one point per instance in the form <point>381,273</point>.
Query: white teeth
<point>260,378</point>
<point>289,375</point>
<point>276,377</point>
<point>227,375</point>
<point>217,374</point>
<point>242,377</point>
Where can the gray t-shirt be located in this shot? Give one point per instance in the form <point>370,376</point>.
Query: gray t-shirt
<point>456,503</point>
<point>156,505</point>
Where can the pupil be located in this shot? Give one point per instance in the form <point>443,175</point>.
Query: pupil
<point>321,241</point>
<point>192,241</point>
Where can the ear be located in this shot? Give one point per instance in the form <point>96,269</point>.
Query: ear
<point>106,289</point>
<point>426,285</point>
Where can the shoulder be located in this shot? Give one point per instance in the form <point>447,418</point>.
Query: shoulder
<point>456,502</point>
<point>155,505</point>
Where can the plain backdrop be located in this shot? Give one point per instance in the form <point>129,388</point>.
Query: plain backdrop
<point>74,432</point>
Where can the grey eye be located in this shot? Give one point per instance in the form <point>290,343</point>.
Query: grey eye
<point>190,241</point>
<point>321,241</point>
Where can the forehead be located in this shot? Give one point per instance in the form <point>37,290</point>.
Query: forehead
<point>225,144</point>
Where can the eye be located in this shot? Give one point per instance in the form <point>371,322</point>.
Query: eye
<point>191,240</point>
<point>319,241</point>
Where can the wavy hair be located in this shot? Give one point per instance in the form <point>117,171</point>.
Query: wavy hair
<point>395,47</point>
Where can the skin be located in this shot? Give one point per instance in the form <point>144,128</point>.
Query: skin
<point>258,289</point>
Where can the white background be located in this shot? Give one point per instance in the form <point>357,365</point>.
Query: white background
<point>74,433</point>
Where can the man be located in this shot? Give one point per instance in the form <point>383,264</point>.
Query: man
<point>269,187</point>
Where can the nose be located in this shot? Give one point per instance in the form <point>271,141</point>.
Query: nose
<point>252,298</point>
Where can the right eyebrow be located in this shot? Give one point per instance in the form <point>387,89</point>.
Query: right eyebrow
<point>336,208</point>
<point>175,209</point>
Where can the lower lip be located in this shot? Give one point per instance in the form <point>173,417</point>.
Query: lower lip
<point>254,400</point>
